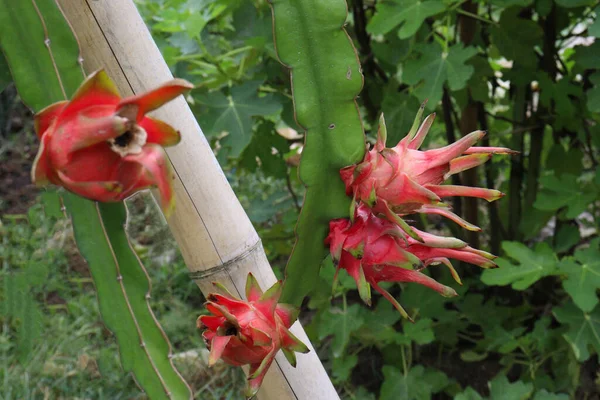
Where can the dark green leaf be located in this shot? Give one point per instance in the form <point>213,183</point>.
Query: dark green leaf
<point>516,37</point>
<point>230,117</point>
<point>532,266</point>
<point>435,67</point>
<point>583,276</point>
<point>418,384</point>
<point>567,192</point>
<point>584,329</point>
<point>340,323</point>
<point>408,14</point>
<point>502,389</point>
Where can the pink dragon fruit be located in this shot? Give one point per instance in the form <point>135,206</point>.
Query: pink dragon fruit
<point>373,250</point>
<point>403,180</point>
<point>250,332</point>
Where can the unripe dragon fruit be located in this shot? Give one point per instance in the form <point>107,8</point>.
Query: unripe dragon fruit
<point>250,332</point>
<point>373,250</point>
<point>403,179</point>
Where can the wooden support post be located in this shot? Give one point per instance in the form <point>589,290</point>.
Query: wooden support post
<point>216,238</point>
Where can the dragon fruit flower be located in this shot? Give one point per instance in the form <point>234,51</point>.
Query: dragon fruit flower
<point>105,148</point>
<point>373,249</point>
<point>403,179</point>
<point>250,332</point>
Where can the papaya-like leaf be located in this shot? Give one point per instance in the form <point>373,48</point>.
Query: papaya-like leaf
<point>43,56</point>
<point>326,78</point>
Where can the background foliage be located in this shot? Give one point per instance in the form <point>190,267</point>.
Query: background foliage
<point>525,71</point>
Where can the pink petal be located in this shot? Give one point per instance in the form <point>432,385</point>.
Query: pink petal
<point>155,98</point>
<point>160,132</point>
<point>422,132</point>
<point>466,191</point>
<point>441,156</point>
<point>464,163</point>
<point>103,191</point>
<point>157,172</point>
<point>98,89</point>
<point>491,150</point>
<point>217,346</point>
<point>450,215</point>
<point>45,118</point>
<point>253,290</point>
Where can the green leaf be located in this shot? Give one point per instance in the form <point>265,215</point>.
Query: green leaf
<point>583,276</point>
<point>99,229</point>
<point>468,394</point>
<point>418,384</point>
<point>266,151</point>
<point>502,389</point>
<point>420,332</point>
<point>531,266</point>
<point>584,329</point>
<point>229,117</point>
<point>545,395</point>
<point>564,191</point>
<point>587,57</point>
<point>326,79</point>
<point>516,42</point>
<point>340,323</point>
<point>593,94</point>
<point>435,67</point>
<point>574,3</point>
<point>408,14</point>
<point>560,95</point>
<point>594,29</point>
<point>342,366</point>
<point>566,237</point>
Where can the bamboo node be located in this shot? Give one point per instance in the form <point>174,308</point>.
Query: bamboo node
<point>203,274</point>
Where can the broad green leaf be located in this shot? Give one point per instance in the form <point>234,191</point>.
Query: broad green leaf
<point>594,29</point>
<point>229,117</point>
<point>326,78</point>
<point>564,191</point>
<point>435,67</point>
<point>560,95</point>
<point>378,325</point>
<point>265,152</point>
<point>516,37</point>
<point>563,161</point>
<point>340,323</point>
<point>584,329</point>
<point>503,341</point>
<point>566,237</point>
<point>502,389</point>
<point>587,57</point>
<point>468,394</point>
<point>532,265</point>
<point>574,3</point>
<point>593,94</point>
<point>509,3</point>
<point>583,276</point>
<point>99,229</point>
<point>545,395</point>
<point>408,14</point>
<point>417,384</point>
<point>420,332</point>
<point>342,367</point>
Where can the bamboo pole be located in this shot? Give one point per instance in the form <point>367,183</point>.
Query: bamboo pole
<point>216,238</point>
